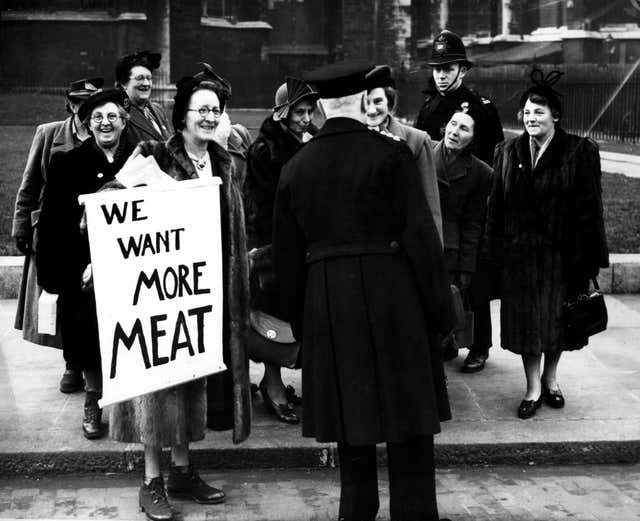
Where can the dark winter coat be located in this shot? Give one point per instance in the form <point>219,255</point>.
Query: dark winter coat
<point>438,109</point>
<point>139,128</point>
<point>63,250</point>
<point>360,266</point>
<point>159,418</point>
<point>273,147</point>
<point>465,184</point>
<point>546,236</point>
<point>57,136</point>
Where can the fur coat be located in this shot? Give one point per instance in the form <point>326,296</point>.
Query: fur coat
<point>545,234</point>
<point>177,415</point>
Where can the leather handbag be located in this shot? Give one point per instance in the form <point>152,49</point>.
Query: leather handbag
<point>271,340</point>
<point>586,315</point>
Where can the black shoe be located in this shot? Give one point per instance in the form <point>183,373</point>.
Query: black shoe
<point>71,381</point>
<point>475,361</point>
<point>528,408</point>
<point>291,395</point>
<point>186,483</point>
<point>153,501</point>
<point>553,398</point>
<point>92,421</point>
<point>283,411</point>
<point>449,353</point>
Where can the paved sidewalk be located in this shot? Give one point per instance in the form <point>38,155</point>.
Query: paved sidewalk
<point>578,493</point>
<point>40,427</point>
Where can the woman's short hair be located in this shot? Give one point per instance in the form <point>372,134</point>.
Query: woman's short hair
<point>183,97</point>
<point>392,97</point>
<point>122,112</point>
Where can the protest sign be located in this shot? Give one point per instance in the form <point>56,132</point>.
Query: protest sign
<point>157,272</point>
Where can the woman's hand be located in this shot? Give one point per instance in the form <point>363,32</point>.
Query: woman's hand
<point>87,278</point>
<point>223,130</point>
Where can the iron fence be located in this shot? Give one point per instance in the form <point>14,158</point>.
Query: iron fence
<point>586,89</point>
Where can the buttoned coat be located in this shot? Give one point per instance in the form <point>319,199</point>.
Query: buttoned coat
<point>139,128</point>
<point>62,251</point>
<point>465,186</point>
<point>49,138</point>
<point>422,148</point>
<point>156,418</point>
<point>361,272</point>
<point>437,110</point>
<point>545,233</point>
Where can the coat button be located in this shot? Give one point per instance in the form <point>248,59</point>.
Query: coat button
<point>271,334</point>
<point>100,175</point>
<point>308,255</point>
<point>394,245</point>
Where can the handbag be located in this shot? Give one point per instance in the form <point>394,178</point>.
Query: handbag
<point>586,315</point>
<point>271,340</point>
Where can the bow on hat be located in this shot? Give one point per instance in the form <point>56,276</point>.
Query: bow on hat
<point>543,85</point>
<point>293,91</point>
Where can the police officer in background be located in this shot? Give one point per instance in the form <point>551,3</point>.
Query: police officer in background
<point>444,95</point>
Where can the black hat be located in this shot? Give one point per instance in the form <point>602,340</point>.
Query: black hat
<point>150,60</point>
<point>186,86</point>
<point>380,76</point>
<point>543,86</point>
<point>340,79</point>
<point>293,91</point>
<point>448,48</point>
<point>84,88</point>
<point>117,96</point>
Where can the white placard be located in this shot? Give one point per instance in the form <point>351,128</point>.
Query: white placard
<point>157,273</point>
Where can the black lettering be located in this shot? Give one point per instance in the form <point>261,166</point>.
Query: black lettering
<point>119,335</point>
<point>155,334</point>
<point>183,273</point>
<point>133,246</point>
<point>136,211</point>
<point>174,289</point>
<point>199,313</point>
<point>176,233</point>
<point>162,237</point>
<point>148,282</point>
<point>197,273</point>
<point>181,325</point>
<point>115,212</point>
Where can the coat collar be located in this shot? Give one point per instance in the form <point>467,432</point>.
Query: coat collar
<point>454,170</point>
<point>220,158</point>
<point>553,155</point>
<point>341,126</point>
<point>139,120</point>
<point>64,134</point>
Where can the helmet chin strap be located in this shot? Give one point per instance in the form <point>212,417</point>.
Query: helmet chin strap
<point>454,84</point>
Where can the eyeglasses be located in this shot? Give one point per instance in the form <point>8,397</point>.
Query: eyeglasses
<point>204,111</point>
<point>99,118</point>
<point>142,77</point>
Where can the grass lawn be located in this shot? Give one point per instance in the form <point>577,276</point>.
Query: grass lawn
<point>621,194</point>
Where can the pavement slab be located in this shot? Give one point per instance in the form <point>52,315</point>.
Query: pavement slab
<point>40,428</point>
<point>501,493</point>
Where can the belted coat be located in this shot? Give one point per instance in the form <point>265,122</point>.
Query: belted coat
<point>545,235</point>
<point>360,267</point>
<point>158,418</point>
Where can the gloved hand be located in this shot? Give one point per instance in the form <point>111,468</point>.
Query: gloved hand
<point>24,245</point>
<point>465,280</point>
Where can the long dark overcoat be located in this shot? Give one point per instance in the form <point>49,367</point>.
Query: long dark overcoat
<point>62,251</point>
<point>360,266</point>
<point>546,235</point>
<point>49,138</point>
<point>159,418</point>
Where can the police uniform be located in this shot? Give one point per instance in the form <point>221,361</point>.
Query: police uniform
<point>438,108</point>
<point>361,272</point>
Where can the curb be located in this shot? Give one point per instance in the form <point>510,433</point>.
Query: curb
<point>40,464</point>
<point>623,275</point>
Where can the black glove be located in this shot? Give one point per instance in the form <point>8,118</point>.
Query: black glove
<point>24,245</point>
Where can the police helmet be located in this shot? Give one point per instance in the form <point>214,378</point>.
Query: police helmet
<point>448,48</point>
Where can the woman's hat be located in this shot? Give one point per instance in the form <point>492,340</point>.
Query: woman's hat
<point>117,96</point>
<point>290,93</point>
<point>84,88</point>
<point>380,76</point>
<point>148,59</point>
<point>543,86</point>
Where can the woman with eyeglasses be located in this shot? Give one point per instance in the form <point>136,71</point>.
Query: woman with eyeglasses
<point>134,74</point>
<point>177,416</point>
<point>62,255</point>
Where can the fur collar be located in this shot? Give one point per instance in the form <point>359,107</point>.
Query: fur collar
<point>220,158</point>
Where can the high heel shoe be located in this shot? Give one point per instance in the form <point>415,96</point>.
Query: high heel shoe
<point>283,411</point>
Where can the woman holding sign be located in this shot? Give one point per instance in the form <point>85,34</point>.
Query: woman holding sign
<point>176,416</point>
<point>63,250</point>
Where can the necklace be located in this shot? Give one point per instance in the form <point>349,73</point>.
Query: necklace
<point>200,163</point>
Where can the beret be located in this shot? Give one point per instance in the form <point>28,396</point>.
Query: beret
<point>117,96</point>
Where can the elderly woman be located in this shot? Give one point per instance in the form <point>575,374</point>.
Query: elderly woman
<point>281,135</point>
<point>134,74</point>
<point>175,417</point>
<point>381,102</point>
<point>546,235</point>
<point>62,254</point>
<point>465,183</point>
